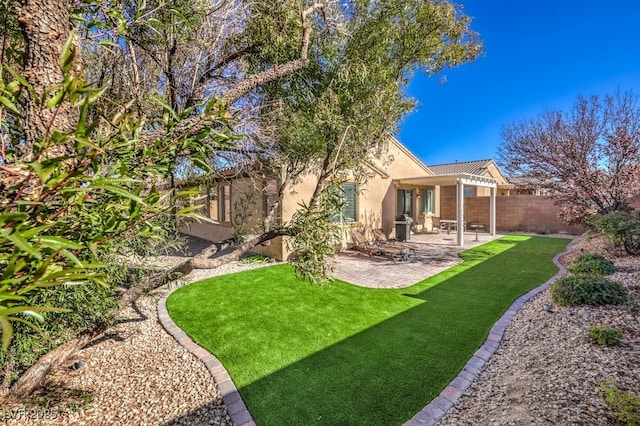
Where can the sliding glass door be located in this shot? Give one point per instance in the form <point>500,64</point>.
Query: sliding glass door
<point>404,199</point>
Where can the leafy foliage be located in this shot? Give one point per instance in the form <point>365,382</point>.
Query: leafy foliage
<point>606,336</point>
<point>65,217</point>
<point>591,263</point>
<point>624,404</point>
<point>622,230</point>
<point>317,236</point>
<point>576,290</point>
<point>84,306</point>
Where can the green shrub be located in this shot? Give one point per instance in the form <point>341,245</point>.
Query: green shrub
<point>576,290</point>
<point>625,405</point>
<point>622,229</point>
<point>592,263</point>
<point>606,336</point>
<point>255,258</point>
<point>88,305</point>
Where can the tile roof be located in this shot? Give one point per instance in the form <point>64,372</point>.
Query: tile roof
<point>477,167</point>
<point>525,181</point>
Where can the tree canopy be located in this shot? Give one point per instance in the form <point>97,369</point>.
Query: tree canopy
<point>104,103</point>
<point>589,156</point>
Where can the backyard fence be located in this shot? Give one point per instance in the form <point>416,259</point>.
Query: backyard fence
<point>524,213</point>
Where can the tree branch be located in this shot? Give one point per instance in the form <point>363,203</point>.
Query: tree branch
<point>278,71</point>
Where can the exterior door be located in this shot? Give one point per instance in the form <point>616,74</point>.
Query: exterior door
<point>404,198</point>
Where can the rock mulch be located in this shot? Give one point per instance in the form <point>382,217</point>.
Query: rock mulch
<point>547,370</point>
<point>136,374</point>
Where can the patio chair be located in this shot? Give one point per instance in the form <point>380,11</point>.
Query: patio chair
<point>382,241</point>
<point>436,226</point>
<point>363,245</point>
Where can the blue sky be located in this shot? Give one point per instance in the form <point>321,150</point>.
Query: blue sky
<point>539,54</point>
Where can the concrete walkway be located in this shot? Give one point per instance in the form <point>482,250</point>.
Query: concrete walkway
<point>434,252</point>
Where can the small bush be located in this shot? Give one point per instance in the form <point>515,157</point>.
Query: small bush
<point>592,263</point>
<point>577,290</point>
<point>89,305</point>
<point>625,405</point>
<point>255,258</point>
<point>606,336</point>
<point>622,229</point>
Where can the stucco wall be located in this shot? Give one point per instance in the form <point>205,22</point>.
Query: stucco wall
<point>376,201</point>
<point>247,206</point>
<point>515,213</point>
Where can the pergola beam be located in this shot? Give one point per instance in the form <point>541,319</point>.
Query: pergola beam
<point>459,180</point>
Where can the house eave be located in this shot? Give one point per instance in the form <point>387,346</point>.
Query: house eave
<point>449,179</point>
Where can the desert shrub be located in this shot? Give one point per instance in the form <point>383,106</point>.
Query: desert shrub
<point>622,230</point>
<point>624,405</point>
<point>255,258</point>
<point>606,336</point>
<point>576,290</point>
<point>592,263</point>
<point>87,305</point>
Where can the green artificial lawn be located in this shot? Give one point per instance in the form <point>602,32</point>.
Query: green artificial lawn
<point>343,354</point>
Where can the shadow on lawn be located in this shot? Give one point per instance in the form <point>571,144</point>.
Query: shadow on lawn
<point>387,373</point>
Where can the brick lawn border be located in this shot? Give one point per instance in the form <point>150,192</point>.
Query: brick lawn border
<point>429,415</point>
<point>236,408</point>
<point>436,409</point>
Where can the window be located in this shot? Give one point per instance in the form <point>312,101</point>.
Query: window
<point>350,210</point>
<point>404,199</point>
<point>469,191</point>
<point>213,203</point>
<point>349,213</point>
<point>427,201</point>
<point>225,202</point>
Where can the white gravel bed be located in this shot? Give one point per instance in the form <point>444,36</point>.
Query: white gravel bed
<point>136,374</point>
<point>547,370</point>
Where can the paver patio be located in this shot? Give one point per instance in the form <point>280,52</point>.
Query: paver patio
<point>434,252</point>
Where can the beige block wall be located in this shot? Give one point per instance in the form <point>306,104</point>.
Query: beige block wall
<point>525,213</point>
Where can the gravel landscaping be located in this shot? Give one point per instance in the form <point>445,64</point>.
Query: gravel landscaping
<point>136,374</point>
<point>546,370</point>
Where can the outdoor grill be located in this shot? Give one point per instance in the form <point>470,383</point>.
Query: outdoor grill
<point>403,223</point>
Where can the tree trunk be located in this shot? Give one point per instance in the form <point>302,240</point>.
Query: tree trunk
<point>278,71</point>
<point>202,262</point>
<point>45,25</point>
<point>35,376</point>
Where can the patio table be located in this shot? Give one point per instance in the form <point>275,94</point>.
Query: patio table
<point>449,222</point>
<point>476,226</point>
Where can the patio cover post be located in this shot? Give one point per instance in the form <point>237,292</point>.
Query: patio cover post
<point>492,212</point>
<point>460,213</point>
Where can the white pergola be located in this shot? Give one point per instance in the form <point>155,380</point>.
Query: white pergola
<point>460,180</point>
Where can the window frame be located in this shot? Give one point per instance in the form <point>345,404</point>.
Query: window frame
<point>351,205</point>
<point>469,191</point>
<point>404,192</point>
<point>428,199</point>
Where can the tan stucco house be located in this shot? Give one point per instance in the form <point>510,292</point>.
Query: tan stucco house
<point>399,184</point>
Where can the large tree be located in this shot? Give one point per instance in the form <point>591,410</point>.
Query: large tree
<point>310,86</point>
<point>589,157</point>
